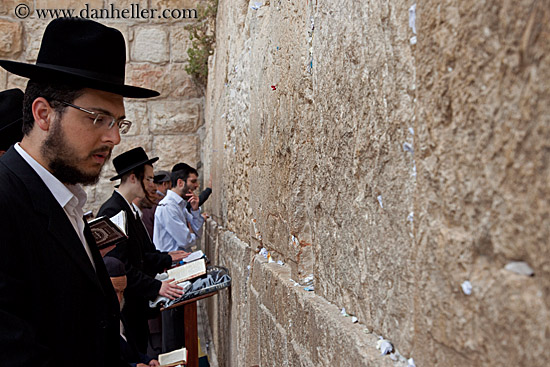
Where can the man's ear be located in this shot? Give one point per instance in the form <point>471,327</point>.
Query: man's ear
<point>180,182</point>
<point>43,113</point>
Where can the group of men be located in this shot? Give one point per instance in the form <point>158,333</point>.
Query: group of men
<point>58,305</point>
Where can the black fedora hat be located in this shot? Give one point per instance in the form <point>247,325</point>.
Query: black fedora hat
<point>82,53</point>
<point>129,160</point>
<point>11,117</point>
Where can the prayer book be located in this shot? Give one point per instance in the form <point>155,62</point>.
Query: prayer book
<point>173,358</point>
<point>188,271</point>
<point>193,256</point>
<point>108,231</point>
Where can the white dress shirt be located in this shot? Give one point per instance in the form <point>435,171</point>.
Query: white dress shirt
<point>171,232</point>
<point>70,197</point>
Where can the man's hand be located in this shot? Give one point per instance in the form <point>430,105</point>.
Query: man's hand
<point>170,289</point>
<point>193,200</point>
<point>178,255</point>
<point>154,363</point>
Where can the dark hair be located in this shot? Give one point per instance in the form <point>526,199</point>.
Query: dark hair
<point>52,92</point>
<point>181,171</point>
<point>138,171</point>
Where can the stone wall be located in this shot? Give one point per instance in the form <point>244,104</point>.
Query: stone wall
<point>392,166</point>
<point>168,126</point>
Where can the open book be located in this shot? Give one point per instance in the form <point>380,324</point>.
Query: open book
<point>193,256</point>
<point>188,271</point>
<point>173,358</point>
<point>109,231</point>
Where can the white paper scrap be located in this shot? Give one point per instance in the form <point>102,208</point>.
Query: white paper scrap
<point>410,363</point>
<point>520,267</point>
<point>467,287</point>
<point>385,346</point>
<point>379,197</point>
<point>354,319</point>
<point>407,147</point>
<point>413,40</point>
<point>412,18</point>
<point>263,252</point>
<point>257,5</point>
<point>410,217</point>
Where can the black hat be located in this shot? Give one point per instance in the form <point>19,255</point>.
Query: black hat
<point>83,53</point>
<point>115,267</point>
<point>130,160</point>
<point>11,117</point>
<point>162,176</point>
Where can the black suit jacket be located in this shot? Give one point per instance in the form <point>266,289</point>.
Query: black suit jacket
<point>142,262</point>
<point>55,309</point>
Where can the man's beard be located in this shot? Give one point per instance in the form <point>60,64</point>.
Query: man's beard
<point>63,161</point>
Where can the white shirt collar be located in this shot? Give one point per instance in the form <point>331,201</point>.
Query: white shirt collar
<point>62,193</point>
<point>138,210</point>
<point>171,195</point>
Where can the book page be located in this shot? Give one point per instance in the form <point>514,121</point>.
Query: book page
<point>193,256</point>
<point>188,271</point>
<point>173,358</point>
<point>120,221</point>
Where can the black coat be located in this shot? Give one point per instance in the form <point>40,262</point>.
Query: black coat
<point>142,261</point>
<point>55,310</point>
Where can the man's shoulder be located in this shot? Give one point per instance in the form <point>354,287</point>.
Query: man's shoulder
<point>112,206</point>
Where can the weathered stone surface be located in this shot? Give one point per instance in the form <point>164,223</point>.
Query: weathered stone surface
<point>175,117</point>
<point>149,76</point>
<point>172,149</point>
<point>136,112</point>
<point>8,7</point>
<point>34,31</point>
<point>150,45</point>
<point>16,81</point>
<point>181,83</point>
<point>179,43</point>
<point>11,34</point>
<point>393,171</point>
<point>3,78</point>
<point>77,5</point>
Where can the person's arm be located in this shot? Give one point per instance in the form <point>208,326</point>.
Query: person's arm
<point>175,224</point>
<point>195,219</point>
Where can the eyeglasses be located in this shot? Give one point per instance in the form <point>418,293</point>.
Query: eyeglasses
<point>104,120</point>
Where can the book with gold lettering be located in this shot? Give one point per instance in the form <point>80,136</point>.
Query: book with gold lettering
<point>109,231</point>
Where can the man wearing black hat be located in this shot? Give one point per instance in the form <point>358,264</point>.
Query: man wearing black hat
<point>142,260</point>
<point>11,118</point>
<point>58,307</point>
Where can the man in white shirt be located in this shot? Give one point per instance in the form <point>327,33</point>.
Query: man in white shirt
<point>175,227</point>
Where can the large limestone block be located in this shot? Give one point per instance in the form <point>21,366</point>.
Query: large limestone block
<point>149,76</point>
<point>150,44</point>
<point>33,38</point>
<point>175,117</point>
<point>176,148</point>
<point>179,43</point>
<point>11,34</point>
<point>136,112</point>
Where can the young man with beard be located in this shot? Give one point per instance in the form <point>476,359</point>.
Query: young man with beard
<point>175,227</point>
<point>57,305</point>
<point>142,260</point>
